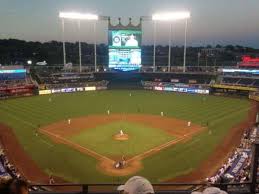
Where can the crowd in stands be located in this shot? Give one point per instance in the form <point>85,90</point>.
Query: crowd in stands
<point>238,81</point>
<point>179,69</point>
<point>57,78</point>
<point>184,79</point>
<point>9,174</point>
<point>15,83</point>
<point>237,167</point>
<point>135,185</point>
<point>140,185</point>
<point>16,87</point>
<point>10,169</point>
<point>14,186</point>
<point>68,80</point>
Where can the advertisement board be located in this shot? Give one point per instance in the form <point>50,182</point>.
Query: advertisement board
<point>92,88</point>
<point>182,90</point>
<point>12,71</point>
<point>80,89</point>
<point>101,88</point>
<point>43,92</point>
<point>158,88</point>
<point>11,74</point>
<point>55,91</point>
<point>68,90</point>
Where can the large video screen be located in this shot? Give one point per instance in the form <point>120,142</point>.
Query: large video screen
<point>12,74</point>
<point>125,49</point>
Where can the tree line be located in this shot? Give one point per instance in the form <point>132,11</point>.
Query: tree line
<point>14,52</point>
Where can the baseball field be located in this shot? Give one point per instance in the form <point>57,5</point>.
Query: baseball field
<point>74,136</point>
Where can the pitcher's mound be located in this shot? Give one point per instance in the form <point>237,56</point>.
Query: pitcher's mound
<point>120,137</point>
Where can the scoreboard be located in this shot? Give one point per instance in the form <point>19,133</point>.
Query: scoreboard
<point>12,74</point>
<point>125,49</point>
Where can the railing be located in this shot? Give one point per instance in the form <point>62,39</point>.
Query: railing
<point>162,188</point>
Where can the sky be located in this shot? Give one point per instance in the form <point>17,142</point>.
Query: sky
<point>212,21</point>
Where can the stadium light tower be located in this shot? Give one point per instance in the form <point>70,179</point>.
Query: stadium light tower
<point>78,17</point>
<point>170,17</point>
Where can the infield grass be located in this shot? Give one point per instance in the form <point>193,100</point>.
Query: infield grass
<point>141,139</point>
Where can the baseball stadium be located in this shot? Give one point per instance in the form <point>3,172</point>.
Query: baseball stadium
<point>77,128</point>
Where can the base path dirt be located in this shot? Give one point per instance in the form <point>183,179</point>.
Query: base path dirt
<point>61,130</point>
<point>173,126</point>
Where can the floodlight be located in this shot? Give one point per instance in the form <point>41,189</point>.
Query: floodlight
<point>170,16</point>
<point>29,62</point>
<point>79,16</point>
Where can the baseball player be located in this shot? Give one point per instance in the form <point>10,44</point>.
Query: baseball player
<point>189,123</point>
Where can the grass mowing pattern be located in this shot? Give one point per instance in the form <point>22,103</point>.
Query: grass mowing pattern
<point>141,139</point>
<point>25,114</point>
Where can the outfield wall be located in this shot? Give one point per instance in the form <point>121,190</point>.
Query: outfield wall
<point>71,90</point>
<point>189,90</point>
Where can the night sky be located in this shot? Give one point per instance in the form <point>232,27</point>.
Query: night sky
<point>212,21</point>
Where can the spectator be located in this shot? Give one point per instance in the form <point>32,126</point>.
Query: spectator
<point>211,190</point>
<point>136,185</point>
<point>4,186</point>
<point>18,186</point>
<point>14,186</point>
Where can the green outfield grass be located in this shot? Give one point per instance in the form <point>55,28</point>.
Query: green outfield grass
<point>24,115</point>
<point>141,138</point>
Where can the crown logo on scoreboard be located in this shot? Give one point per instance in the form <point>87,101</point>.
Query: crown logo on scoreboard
<point>120,26</point>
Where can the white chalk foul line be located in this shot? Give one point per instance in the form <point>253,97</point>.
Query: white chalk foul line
<point>47,143</point>
<point>163,146</point>
<point>92,153</point>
